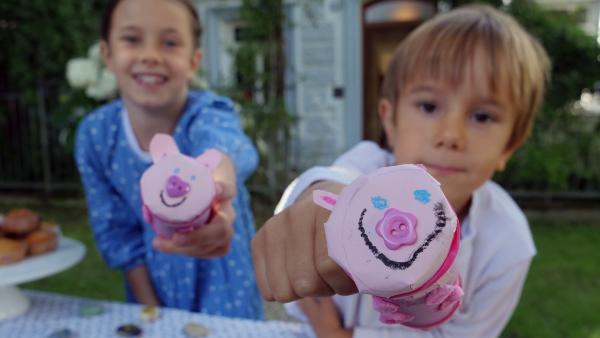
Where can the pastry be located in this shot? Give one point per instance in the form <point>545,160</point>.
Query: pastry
<point>20,222</point>
<point>11,251</point>
<point>41,241</point>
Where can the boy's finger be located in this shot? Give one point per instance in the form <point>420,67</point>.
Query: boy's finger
<point>329,271</point>
<point>300,260</point>
<point>279,282</point>
<point>258,259</point>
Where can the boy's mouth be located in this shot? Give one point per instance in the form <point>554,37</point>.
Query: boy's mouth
<point>443,169</point>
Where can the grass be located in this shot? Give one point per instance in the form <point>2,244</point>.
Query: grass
<point>561,297</point>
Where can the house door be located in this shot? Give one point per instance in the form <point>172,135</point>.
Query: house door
<point>385,24</point>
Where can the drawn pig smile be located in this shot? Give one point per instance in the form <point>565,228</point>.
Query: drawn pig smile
<point>176,190</point>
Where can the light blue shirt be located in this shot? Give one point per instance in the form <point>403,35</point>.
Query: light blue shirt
<point>111,163</point>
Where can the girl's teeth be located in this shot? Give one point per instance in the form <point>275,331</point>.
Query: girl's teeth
<point>151,79</point>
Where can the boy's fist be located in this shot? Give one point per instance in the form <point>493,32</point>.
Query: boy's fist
<point>290,253</point>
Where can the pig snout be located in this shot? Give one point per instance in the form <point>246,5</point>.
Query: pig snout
<point>176,187</point>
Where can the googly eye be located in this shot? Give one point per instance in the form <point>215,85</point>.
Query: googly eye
<point>176,171</point>
<point>193,177</point>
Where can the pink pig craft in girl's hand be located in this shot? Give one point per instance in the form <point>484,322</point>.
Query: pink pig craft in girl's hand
<point>177,190</point>
<point>395,234</point>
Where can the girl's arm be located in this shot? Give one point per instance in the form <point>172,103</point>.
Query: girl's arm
<point>141,286</point>
<point>117,233</point>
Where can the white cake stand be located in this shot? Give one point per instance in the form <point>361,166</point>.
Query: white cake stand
<point>14,303</point>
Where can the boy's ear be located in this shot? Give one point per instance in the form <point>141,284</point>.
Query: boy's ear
<point>504,157</point>
<point>386,116</point>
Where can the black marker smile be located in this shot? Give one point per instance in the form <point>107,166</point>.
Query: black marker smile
<point>440,223</point>
<point>176,204</point>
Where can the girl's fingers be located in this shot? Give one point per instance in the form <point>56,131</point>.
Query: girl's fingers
<point>225,190</point>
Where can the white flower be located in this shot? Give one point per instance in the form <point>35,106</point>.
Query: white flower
<point>81,72</point>
<point>94,53</point>
<point>104,87</point>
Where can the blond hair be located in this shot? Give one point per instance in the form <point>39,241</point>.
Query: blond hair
<point>444,48</point>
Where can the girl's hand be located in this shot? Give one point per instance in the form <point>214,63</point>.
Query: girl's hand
<point>324,317</point>
<point>211,240</point>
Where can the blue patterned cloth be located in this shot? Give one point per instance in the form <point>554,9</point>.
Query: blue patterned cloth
<point>110,164</point>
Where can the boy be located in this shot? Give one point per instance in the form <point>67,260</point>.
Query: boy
<point>459,97</point>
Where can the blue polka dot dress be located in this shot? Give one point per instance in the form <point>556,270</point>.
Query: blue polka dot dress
<point>111,163</point>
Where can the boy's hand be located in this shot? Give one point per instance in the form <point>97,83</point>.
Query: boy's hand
<point>324,317</point>
<point>211,240</point>
<point>290,253</point>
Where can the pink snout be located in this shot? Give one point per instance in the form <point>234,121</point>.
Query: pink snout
<point>176,187</point>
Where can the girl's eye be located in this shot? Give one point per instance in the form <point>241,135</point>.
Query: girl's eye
<point>130,39</point>
<point>193,177</point>
<point>176,171</point>
<point>427,107</point>
<point>482,117</point>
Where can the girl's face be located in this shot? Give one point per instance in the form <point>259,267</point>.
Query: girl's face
<point>151,51</point>
<point>460,133</point>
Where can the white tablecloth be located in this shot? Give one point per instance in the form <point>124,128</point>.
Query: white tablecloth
<point>51,312</point>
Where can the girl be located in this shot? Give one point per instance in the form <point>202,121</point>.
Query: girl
<point>152,48</point>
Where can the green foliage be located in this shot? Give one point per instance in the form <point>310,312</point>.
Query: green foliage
<point>562,151</point>
<point>260,92</point>
<point>37,38</point>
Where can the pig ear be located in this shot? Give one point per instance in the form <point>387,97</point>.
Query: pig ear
<point>210,158</point>
<point>324,199</point>
<point>162,145</point>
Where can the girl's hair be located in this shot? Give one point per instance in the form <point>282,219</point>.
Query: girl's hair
<point>444,48</point>
<point>106,23</point>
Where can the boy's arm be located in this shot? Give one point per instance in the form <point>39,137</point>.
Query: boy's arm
<point>290,252</point>
<point>141,286</point>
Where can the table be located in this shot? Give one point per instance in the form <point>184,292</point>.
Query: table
<point>51,312</point>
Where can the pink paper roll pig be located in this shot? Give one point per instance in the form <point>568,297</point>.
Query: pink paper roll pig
<point>395,234</point>
<point>177,190</point>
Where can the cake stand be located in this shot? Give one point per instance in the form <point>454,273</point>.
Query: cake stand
<point>14,303</point>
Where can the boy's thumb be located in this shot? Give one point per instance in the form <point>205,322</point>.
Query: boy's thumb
<point>225,190</point>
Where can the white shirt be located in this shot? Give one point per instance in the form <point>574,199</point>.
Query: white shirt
<point>496,249</point>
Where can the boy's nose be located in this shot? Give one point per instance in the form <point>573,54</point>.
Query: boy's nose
<point>176,187</point>
<point>451,133</point>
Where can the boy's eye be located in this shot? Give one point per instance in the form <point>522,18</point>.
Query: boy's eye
<point>427,107</point>
<point>483,117</point>
<point>170,43</point>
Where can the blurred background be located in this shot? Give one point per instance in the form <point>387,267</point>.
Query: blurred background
<point>305,75</point>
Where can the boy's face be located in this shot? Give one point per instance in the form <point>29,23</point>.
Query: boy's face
<point>151,51</point>
<point>460,133</point>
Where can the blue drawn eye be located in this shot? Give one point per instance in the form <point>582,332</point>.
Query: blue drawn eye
<point>422,196</point>
<point>193,177</point>
<point>176,171</point>
<point>379,202</point>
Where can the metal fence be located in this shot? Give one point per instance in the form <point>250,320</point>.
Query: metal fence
<point>32,158</point>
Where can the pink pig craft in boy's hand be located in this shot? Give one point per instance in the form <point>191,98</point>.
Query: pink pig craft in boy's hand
<point>177,190</point>
<point>395,234</point>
